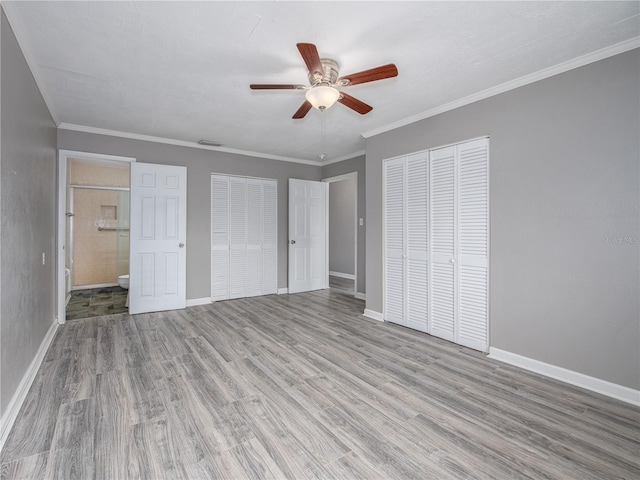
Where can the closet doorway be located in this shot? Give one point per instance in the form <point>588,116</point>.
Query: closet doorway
<point>342,242</point>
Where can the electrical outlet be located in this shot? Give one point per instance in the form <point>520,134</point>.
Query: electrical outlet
<point>361,223</point>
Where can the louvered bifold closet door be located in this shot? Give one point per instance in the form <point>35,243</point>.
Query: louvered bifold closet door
<point>473,235</point>
<point>443,249</point>
<point>237,236</point>
<point>416,260</point>
<point>253,282</point>
<point>394,215</point>
<point>219,237</point>
<point>269,237</point>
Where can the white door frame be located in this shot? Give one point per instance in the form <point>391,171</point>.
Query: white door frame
<point>61,223</point>
<point>330,180</point>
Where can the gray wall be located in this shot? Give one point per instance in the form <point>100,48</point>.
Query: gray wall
<point>342,226</point>
<point>27,217</point>
<point>564,173</point>
<point>200,164</point>
<point>356,164</point>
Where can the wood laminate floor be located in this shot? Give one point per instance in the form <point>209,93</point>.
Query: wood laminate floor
<point>343,285</point>
<point>301,387</point>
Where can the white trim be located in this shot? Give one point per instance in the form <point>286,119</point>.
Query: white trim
<point>344,176</point>
<point>96,187</point>
<point>181,143</point>
<point>348,276</point>
<point>63,159</point>
<point>513,84</point>
<point>360,296</point>
<point>597,385</point>
<point>19,396</point>
<point>373,315</point>
<point>348,156</point>
<point>95,156</point>
<point>193,302</point>
<point>283,291</point>
<point>61,227</point>
<point>18,30</point>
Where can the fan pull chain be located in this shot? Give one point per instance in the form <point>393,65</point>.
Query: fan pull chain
<point>323,153</point>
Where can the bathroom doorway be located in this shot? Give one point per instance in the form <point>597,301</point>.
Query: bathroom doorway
<point>96,236</point>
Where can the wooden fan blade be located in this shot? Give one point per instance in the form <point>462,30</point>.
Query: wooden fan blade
<point>311,58</point>
<point>303,110</point>
<point>378,73</point>
<point>275,86</point>
<point>354,104</point>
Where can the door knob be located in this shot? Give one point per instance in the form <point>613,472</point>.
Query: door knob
<point>181,245</point>
<point>453,260</point>
<point>293,242</point>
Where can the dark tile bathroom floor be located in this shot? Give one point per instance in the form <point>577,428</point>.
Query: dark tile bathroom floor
<point>96,302</point>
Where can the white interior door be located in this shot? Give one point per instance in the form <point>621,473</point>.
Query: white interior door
<point>157,261</point>
<point>443,245</point>
<point>219,237</point>
<point>394,240</point>
<point>237,236</point>
<point>253,282</point>
<point>270,237</point>
<point>307,235</point>
<point>416,256</point>
<point>473,240</point>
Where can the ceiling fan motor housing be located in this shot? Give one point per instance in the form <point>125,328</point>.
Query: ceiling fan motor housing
<point>330,74</point>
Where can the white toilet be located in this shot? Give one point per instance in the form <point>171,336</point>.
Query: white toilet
<point>123,281</point>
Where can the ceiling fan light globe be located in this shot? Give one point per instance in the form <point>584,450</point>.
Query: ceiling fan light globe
<point>322,96</point>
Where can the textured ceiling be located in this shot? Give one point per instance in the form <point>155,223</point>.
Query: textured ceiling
<point>181,70</point>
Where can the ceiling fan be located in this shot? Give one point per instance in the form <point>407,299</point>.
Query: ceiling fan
<point>324,80</point>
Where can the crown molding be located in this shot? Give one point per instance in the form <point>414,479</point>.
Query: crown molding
<point>182,143</point>
<point>513,84</point>
<point>349,156</point>
<point>18,30</point>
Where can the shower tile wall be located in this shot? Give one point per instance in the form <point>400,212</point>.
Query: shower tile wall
<point>99,257</point>
<point>95,252</point>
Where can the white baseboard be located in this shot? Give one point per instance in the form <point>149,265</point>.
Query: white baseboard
<point>192,302</point>
<point>10,415</point>
<point>348,276</point>
<point>360,296</point>
<point>373,315</point>
<point>283,291</point>
<point>597,385</point>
